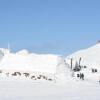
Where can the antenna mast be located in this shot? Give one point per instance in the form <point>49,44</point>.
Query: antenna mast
<point>9,47</point>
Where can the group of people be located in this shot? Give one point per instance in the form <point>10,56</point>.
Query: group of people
<point>81,76</point>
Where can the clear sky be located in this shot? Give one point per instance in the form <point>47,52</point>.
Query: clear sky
<point>49,26</point>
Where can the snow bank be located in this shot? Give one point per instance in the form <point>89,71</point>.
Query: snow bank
<point>25,61</point>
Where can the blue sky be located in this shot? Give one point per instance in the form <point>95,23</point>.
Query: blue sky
<point>49,26</point>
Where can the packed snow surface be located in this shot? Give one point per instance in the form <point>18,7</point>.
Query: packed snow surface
<point>28,90</point>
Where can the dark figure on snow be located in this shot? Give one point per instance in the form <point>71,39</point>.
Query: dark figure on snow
<point>99,79</point>
<point>82,76</point>
<point>78,75</point>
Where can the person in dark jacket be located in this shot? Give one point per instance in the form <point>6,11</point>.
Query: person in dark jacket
<point>82,76</point>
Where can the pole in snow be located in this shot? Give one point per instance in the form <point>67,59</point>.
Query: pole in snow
<point>71,63</point>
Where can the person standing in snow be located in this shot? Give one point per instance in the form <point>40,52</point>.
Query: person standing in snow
<point>82,76</point>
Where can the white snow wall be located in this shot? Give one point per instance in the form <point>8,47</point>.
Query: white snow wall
<point>25,61</point>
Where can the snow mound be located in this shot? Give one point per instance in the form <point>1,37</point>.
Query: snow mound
<point>30,62</point>
<point>23,52</point>
<point>62,71</point>
<point>5,51</point>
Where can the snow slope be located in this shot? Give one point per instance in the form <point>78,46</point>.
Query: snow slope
<point>90,56</point>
